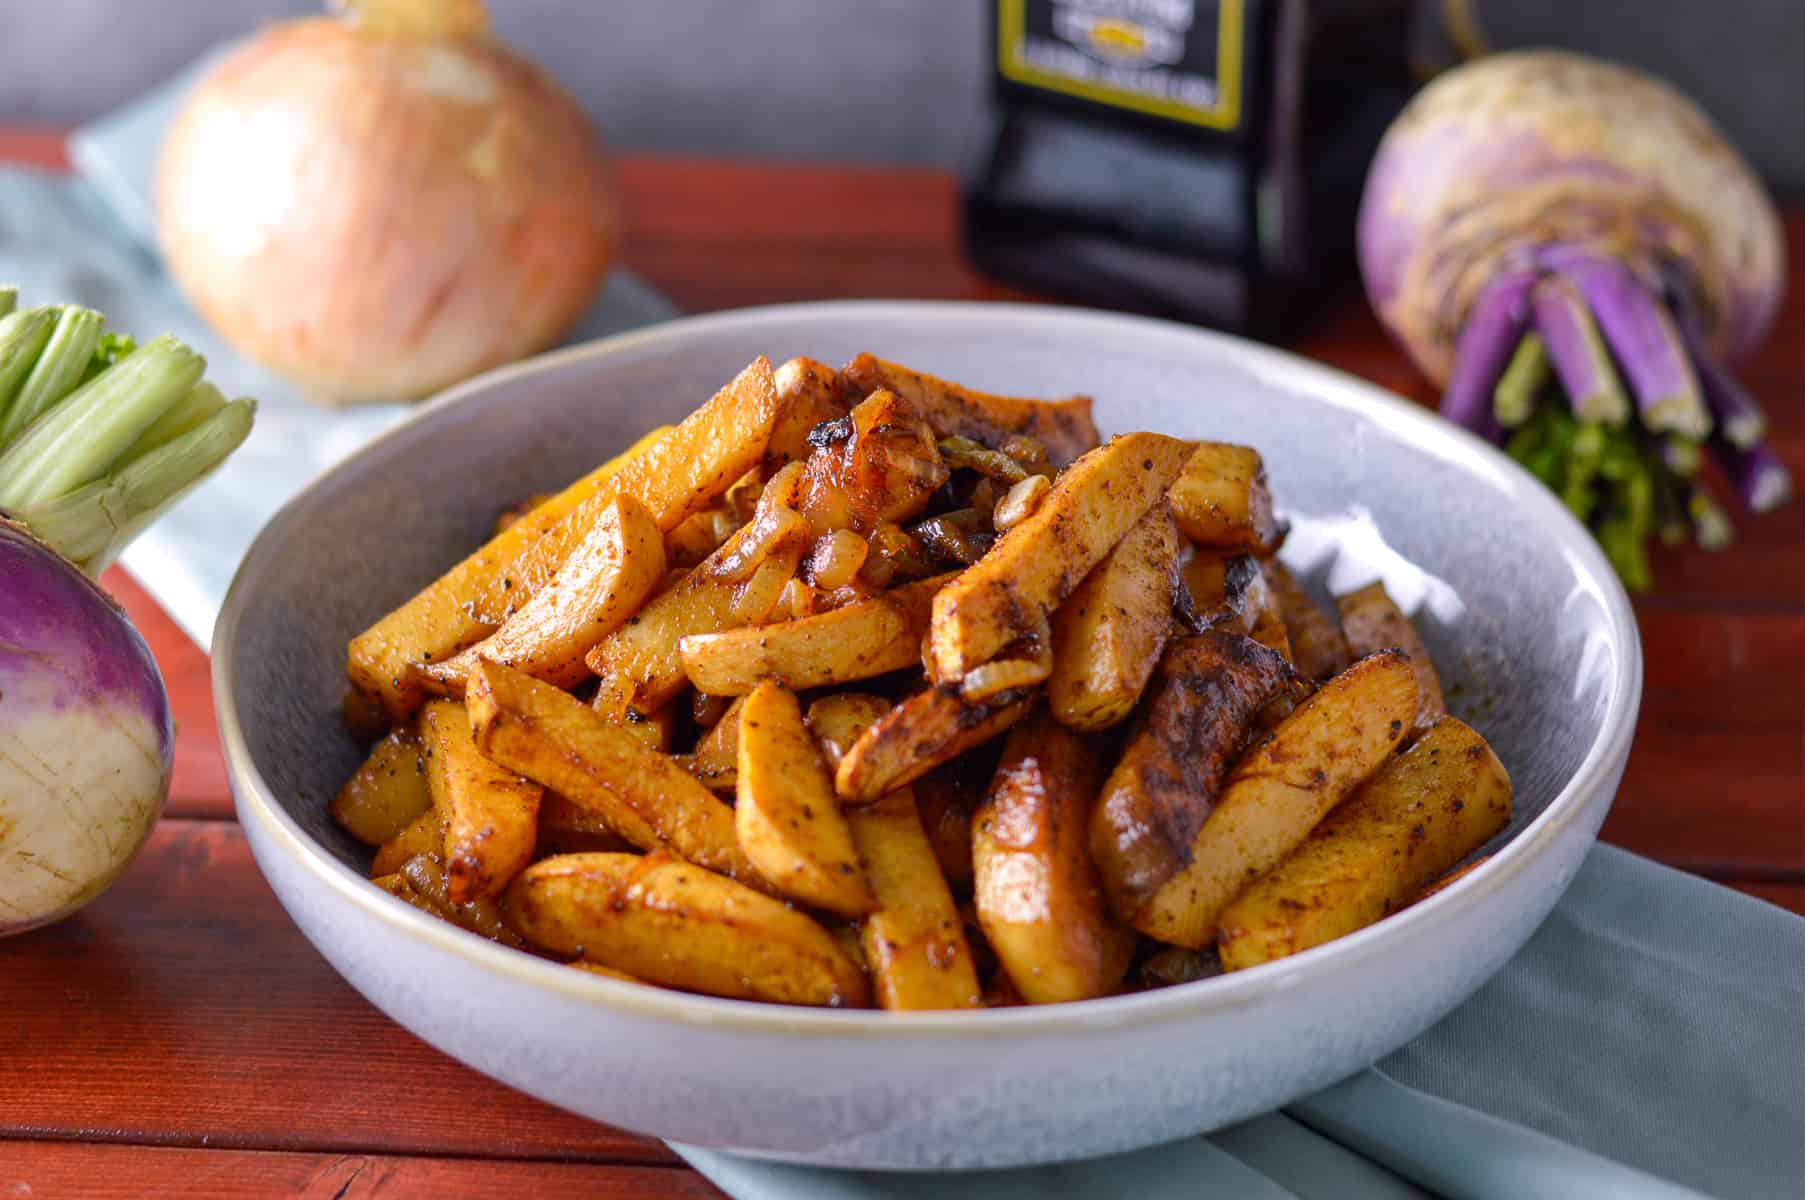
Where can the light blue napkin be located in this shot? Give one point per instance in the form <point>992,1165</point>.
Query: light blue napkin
<point>90,238</point>
<point>1649,1033</point>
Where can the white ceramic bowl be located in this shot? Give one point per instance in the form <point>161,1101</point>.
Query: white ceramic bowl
<point>1530,627</point>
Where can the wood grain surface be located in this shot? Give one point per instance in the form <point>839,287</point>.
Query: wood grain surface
<point>179,1035</point>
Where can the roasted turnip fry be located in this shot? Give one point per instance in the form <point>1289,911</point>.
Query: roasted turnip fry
<point>425,835</point>
<point>421,881</point>
<point>387,793</point>
<point>1423,811</point>
<point>1064,427</point>
<point>1318,646</point>
<point>916,736</point>
<point>865,638</point>
<point>589,968</point>
<point>1219,592</point>
<point>945,798</point>
<point>514,512</point>
<point>1221,500</point>
<point>685,472</point>
<point>716,757</point>
<point>1450,879</point>
<point>914,944</point>
<point>1194,722</point>
<point>787,815</point>
<point>678,474</point>
<point>640,663</point>
<point>877,464</point>
<point>808,393</point>
<point>491,815</point>
<point>1268,621</point>
<point>566,827</point>
<point>364,717</point>
<point>1373,621</point>
<point>445,617</point>
<point>1037,893</point>
<point>619,562</point>
<point>1108,635</point>
<point>1281,789</point>
<point>547,735</point>
<point>1172,965</point>
<point>1010,593</point>
<point>654,730</point>
<point>669,922</point>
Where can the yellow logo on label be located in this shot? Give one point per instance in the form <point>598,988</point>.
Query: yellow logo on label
<point>1118,37</point>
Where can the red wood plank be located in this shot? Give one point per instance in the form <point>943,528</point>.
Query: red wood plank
<point>47,1170</point>
<point>198,787</point>
<point>184,1008</point>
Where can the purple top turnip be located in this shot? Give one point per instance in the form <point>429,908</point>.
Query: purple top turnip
<point>86,742</point>
<point>98,436</point>
<point>1549,194</point>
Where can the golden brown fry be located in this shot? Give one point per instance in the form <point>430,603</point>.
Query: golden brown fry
<point>864,639</point>
<point>787,816</point>
<point>387,793</point>
<point>672,923</point>
<point>716,757</point>
<point>1037,893</point>
<point>914,944</point>
<point>1423,811</point>
<point>683,473</point>
<point>808,393</point>
<point>1318,646</point>
<point>566,827</point>
<point>1449,880</point>
<point>1280,790</point>
<point>945,800</point>
<point>1108,635</point>
<point>1373,621</point>
<point>916,736</point>
<point>422,882</point>
<point>641,664</point>
<point>1221,499</point>
<point>1268,621</point>
<point>1064,427</point>
<point>1198,714</point>
<point>425,835</point>
<point>491,815</point>
<point>619,563</point>
<point>550,736</point>
<point>1217,591</point>
<point>674,473</point>
<point>444,617</point>
<point>1010,593</point>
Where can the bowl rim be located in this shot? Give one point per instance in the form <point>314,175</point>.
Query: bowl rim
<point>1417,425</point>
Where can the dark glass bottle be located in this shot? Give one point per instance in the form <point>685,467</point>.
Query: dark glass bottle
<point>1192,158</point>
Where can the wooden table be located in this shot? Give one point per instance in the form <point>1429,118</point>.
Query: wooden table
<point>180,1034</point>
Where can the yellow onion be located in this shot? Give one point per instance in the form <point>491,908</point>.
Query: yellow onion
<point>381,203</point>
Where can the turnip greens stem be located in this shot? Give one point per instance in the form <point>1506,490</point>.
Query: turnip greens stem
<point>61,363</point>
<point>1646,344</point>
<point>1486,342</point>
<point>1578,352</point>
<point>99,436</point>
<point>1523,379</point>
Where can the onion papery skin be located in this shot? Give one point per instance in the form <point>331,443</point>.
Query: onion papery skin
<point>86,738</point>
<point>1517,152</point>
<point>376,217</point>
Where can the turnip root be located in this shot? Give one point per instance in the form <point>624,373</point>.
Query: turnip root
<point>1539,217</point>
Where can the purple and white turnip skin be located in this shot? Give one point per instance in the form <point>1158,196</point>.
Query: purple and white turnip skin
<point>86,740</point>
<point>1545,192</point>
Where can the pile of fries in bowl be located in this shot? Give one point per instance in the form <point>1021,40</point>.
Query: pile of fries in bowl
<point>859,687</point>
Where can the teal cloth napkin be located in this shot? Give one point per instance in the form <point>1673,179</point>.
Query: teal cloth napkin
<point>89,237</point>
<point>1645,1044</point>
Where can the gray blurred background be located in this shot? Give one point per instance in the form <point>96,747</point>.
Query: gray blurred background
<point>869,80</point>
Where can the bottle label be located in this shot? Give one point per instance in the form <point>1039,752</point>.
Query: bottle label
<point>1176,59</point>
